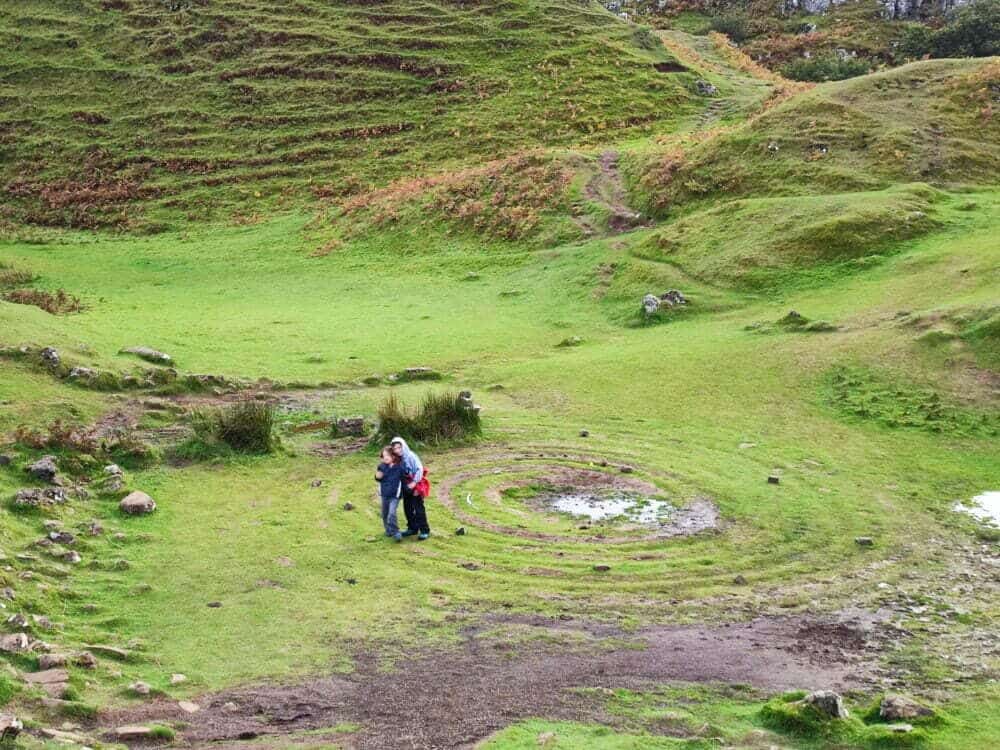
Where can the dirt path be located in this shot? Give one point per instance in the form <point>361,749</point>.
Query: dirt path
<point>607,187</point>
<point>455,698</point>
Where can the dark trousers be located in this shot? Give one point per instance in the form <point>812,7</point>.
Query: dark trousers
<point>415,512</point>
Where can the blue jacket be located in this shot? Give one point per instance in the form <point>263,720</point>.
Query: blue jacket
<point>391,483</point>
<point>411,461</point>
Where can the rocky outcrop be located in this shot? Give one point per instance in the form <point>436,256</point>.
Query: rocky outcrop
<point>893,9</point>
<point>148,354</point>
<point>899,707</point>
<point>828,703</point>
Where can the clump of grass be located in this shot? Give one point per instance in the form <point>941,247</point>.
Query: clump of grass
<point>14,277</point>
<point>58,302</point>
<point>160,732</point>
<point>244,427</point>
<point>441,418</point>
<point>8,689</point>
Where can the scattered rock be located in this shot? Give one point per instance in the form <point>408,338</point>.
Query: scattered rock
<point>47,677</point>
<point>740,580</point>
<point>50,356</point>
<point>864,541</point>
<point>895,707</point>
<point>140,688</point>
<point>72,557</point>
<point>17,643</point>
<point>704,88</point>
<point>42,622</point>
<point>348,506</point>
<point>350,427</point>
<point>899,728</point>
<point>51,661</point>
<point>62,537</point>
<point>584,433</point>
<point>133,733</point>
<point>774,479</point>
<point>137,504</point>
<point>188,707</point>
<point>7,593</point>
<point>469,566</point>
<point>602,568</point>
<point>112,651</point>
<point>827,703</point>
<point>113,470</point>
<point>85,660</point>
<point>5,460</point>
<point>415,373</point>
<point>150,355</point>
<point>316,483</point>
<point>177,679</point>
<point>44,469</point>
<point>94,528</point>
<point>460,531</point>
<point>35,498</point>
<point>673,297</point>
<point>568,342</point>
<point>214,605</point>
<point>17,621</point>
<point>626,469</point>
<point>10,727</point>
<point>650,304</point>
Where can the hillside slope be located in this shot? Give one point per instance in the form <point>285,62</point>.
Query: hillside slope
<point>135,113</point>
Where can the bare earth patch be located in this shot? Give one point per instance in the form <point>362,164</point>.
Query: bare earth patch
<point>457,697</point>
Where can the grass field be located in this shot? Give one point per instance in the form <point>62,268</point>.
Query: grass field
<point>877,419</point>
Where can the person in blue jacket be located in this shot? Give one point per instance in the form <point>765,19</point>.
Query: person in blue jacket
<point>413,503</point>
<point>389,475</point>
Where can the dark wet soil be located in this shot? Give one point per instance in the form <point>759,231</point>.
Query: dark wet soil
<point>454,698</point>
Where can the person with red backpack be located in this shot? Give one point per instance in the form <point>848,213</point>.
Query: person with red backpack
<point>416,488</point>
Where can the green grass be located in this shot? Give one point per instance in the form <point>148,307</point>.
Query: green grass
<point>700,404</point>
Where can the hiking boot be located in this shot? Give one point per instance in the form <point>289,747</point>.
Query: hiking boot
<point>408,532</point>
<point>426,535</point>
<point>398,536</point>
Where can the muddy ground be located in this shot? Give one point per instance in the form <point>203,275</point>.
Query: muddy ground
<point>455,698</point>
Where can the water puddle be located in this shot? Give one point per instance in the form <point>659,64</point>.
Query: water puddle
<point>985,507</point>
<point>620,506</point>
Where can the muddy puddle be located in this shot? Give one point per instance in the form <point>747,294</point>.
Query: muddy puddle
<point>616,506</point>
<point>985,507</point>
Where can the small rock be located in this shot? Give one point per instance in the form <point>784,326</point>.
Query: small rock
<point>469,566</point>
<point>828,703</point>
<point>94,528</point>
<point>316,483</point>
<point>62,537</point>
<point>150,355</point>
<point>10,727</point>
<point>350,427</point>
<point>34,498</point>
<point>188,707</point>
<point>704,88</point>
<point>214,605</point>
<point>864,541</point>
<point>626,469</point>
<point>5,460</point>
<point>85,660</point>
<point>50,356</point>
<point>177,679</point>
<point>137,503</point>
<point>140,688</point>
<point>73,557</point>
<point>44,469</point>
<point>113,651</point>
<point>47,677</point>
<point>42,622</point>
<point>774,479</point>
<point>18,621</point>
<point>602,568</point>
<point>895,707</point>
<point>17,643</point>
<point>460,531</point>
<point>568,342</point>
<point>348,506</point>
<point>113,470</point>
<point>133,733</point>
<point>740,580</point>
<point>51,661</point>
<point>650,304</point>
<point>584,433</point>
<point>899,728</point>
<point>7,593</point>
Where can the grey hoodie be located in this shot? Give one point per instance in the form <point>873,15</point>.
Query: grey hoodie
<point>411,461</point>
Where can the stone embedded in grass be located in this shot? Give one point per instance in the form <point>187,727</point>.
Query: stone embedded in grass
<point>148,354</point>
<point>740,580</point>
<point>460,531</point>
<point>626,469</point>
<point>828,703</point>
<point>44,469</point>
<point>188,707</point>
<point>584,433</point>
<point>140,688</point>
<point>112,651</point>
<point>35,498</point>
<point>85,660</point>
<point>569,342</point>
<point>5,460</point>
<point>895,707</point>
<point>137,504</point>
<point>774,479</point>
<point>52,661</point>
<point>348,506</point>
<point>47,677</point>
<point>349,427</point>
<point>214,605</point>
<point>602,568</point>
<point>650,304</point>
<point>10,728</point>
<point>133,732</point>
<point>177,679</point>
<point>17,643</point>
<point>864,541</point>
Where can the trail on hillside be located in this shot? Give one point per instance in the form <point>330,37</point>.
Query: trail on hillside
<point>454,698</point>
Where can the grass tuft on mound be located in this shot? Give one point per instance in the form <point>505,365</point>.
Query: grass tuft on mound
<point>440,418</point>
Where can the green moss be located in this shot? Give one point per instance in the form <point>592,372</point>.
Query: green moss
<point>8,689</point>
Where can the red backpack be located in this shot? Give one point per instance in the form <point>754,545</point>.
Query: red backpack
<point>423,487</point>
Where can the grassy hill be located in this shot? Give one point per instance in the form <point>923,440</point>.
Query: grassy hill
<point>141,113</point>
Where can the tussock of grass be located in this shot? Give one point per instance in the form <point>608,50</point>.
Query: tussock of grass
<point>441,418</point>
<point>59,302</point>
<point>246,426</point>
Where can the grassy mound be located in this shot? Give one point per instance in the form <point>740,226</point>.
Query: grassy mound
<point>138,113</point>
<point>758,243</point>
<point>929,122</point>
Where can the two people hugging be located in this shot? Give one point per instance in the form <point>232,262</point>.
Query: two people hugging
<point>401,476</point>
